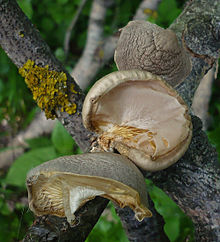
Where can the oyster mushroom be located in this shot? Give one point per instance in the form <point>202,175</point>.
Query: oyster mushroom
<point>138,114</point>
<point>146,46</point>
<point>59,187</point>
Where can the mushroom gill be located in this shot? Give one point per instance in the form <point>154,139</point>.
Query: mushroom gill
<point>61,186</point>
<point>141,116</point>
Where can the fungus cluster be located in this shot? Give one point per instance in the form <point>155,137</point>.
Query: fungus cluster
<point>133,111</point>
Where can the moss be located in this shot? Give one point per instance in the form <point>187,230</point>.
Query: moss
<point>49,88</point>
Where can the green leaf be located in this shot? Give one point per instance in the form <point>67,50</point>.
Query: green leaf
<point>18,171</point>
<point>9,226</point>
<point>177,225</point>
<point>108,229</point>
<point>39,142</point>
<point>214,137</point>
<point>62,140</point>
<point>60,55</point>
<point>4,209</point>
<point>167,12</point>
<point>26,6</point>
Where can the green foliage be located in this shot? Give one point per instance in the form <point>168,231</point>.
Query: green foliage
<point>167,12</point>
<point>62,140</point>
<point>14,221</point>
<point>178,226</point>
<point>14,105</point>
<point>14,218</point>
<point>214,137</point>
<point>42,150</point>
<point>214,110</point>
<point>26,6</point>
<point>52,18</point>
<point>108,228</point>
<point>17,172</point>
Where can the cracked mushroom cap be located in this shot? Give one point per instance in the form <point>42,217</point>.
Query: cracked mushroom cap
<point>138,114</point>
<point>61,186</point>
<point>146,46</point>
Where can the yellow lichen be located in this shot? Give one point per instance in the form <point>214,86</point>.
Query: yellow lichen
<point>151,12</point>
<point>49,88</point>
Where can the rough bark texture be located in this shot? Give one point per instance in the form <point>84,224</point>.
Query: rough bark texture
<point>198,27</point>
<point>149,230</point>
<point>52,228</point>
<point>21,41</point>
<point>193,182</point>
<point>13,25</point>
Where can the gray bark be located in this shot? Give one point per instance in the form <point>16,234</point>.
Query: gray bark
<point>193,182</point>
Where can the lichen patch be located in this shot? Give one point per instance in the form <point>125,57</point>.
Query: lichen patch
<point>49,88</point>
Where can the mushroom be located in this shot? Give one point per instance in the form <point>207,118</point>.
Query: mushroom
<point>141,116</point>
<point>61,186</point>
<point>146,46</point>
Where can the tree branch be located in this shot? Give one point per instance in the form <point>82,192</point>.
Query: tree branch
<point>99,50</point>
<point>39,126</point>
<point>149,230</point>
<point>202,97</point>
<point>71,26</point>
<point>193,182</point>
<point>197,171</point>
<point>21,41</point>
<point>94,39</point>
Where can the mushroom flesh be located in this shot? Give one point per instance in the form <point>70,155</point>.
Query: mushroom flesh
<point>61,186</point>
<point>141,116</point>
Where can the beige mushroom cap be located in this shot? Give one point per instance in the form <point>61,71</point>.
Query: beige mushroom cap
<point>141,116</point>
<point>59,187</point>
<point>146,46</point>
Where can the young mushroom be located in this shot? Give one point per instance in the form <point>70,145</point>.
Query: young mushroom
<point>146,46</point>
<point>61,186</point>
<point>141,116</point>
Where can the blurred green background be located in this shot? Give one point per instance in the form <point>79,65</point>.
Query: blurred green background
<point>17,109</point>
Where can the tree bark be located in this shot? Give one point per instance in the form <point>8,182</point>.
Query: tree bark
<point>149,230</point>
<point>194,181</point>
<point>21,41</point>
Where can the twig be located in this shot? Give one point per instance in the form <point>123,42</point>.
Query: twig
<point>39,126</point>
<point>146,9</point>
<point>196,173</point>
<point>99,50</point>
<point>202,97</point>
<point>71,26</point>
<point>94,39</point>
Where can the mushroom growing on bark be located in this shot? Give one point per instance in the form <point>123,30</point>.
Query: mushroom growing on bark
<point>146,46</point>
<point>141,116</point>
<point>61,186</point>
